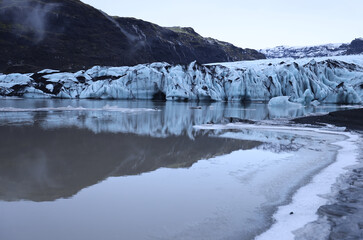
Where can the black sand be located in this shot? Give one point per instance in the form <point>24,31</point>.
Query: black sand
<point>351,119</point>
<point>345,216</point>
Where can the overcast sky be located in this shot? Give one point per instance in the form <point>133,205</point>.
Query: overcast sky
<point>251,23</point>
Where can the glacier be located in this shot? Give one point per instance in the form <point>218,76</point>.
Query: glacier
<point>326,80</point>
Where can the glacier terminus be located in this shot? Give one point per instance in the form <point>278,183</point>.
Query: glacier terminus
<point>327,80</point>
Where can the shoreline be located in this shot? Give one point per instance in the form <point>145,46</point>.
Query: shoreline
<point>302,218</point>
<point>351,119</point>
<point>331,205</point>
<point>342,215</point>
<point>310,197</point>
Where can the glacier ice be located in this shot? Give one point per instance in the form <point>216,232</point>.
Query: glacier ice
<point>15,79</point>
<point>329,80</point>
<point>282,101</point>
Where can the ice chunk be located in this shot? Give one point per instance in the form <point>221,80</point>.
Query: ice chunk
<point>50,87</point>
<point>283,101</point>
<point>9,81</point>
<point>307,97</point>
<point>315,103</point>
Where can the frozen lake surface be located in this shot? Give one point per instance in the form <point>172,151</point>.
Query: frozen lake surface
<point>151,170</point>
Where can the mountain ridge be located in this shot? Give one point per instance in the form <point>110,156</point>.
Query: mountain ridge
<point>70,35</point>
<point>323,50</point>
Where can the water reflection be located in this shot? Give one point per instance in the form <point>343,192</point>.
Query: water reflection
<point>44,165</point>
<point>172,188</point>
<point>93,174</point>
<point>169,118</point>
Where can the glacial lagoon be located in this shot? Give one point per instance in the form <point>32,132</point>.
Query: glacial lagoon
<point>98,169</point>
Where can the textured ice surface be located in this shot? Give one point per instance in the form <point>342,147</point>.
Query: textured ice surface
<point>11,80</point>
<point>335,80</point>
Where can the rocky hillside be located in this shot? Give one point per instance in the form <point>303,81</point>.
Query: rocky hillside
<point>70,35</point>
<point>356,46</point>
<point>326,50</point>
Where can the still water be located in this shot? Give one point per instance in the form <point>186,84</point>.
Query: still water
<point>141,170</point>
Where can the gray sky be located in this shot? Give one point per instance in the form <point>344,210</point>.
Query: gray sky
<point>251,23</point>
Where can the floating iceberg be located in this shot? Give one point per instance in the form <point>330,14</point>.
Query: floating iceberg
<point>282,101</point>
<point>338,80</point>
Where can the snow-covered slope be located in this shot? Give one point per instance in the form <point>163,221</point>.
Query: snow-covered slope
<point>309,51</point>
<point>330,80</point>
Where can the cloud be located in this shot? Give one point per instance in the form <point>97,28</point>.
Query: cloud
<point>30,15</point>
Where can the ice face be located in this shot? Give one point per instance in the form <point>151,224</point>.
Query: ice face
<point>304,81</point>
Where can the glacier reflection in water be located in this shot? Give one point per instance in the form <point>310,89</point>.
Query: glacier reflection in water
<point>91,174</point>
<point>158,119</point>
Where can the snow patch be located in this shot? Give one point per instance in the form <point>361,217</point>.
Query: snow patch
<point>306,51</point>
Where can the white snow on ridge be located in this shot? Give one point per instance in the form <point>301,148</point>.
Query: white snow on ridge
<point>263,63</point>
<point>329,80</point>
<point>332,49</point>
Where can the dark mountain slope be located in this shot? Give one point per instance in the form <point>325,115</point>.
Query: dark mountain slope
<point>356,46</point>
<point>70,35</point>
<point>181,45</point>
